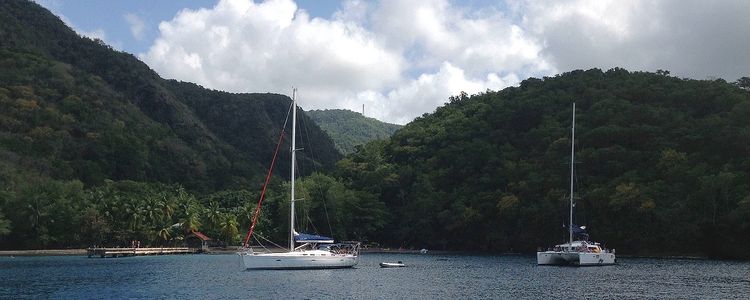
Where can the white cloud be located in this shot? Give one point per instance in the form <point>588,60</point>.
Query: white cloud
<point>434,31</point>
<point>404,58</point>
<point>424,94</point>
<point>94,34</point>
<point>356,11</point>
<point>691,38</point>
<point>137,25</point>
<point>242,46</point>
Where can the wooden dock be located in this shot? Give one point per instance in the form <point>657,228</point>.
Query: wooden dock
<point>120,252</point>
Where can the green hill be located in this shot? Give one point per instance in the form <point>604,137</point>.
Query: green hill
<point>349,129</point>
<point>91,139</point>
<point>663,167</point>
<point>96,148</point>
<point>105,115</point>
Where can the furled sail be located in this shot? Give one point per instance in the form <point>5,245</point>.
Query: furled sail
<point>311,238</point>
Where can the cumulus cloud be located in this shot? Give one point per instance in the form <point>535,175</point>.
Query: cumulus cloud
<point>696,39</point>
<point>424,94</point>
<point>404,58</point>
<point>94,34</point>
<point>137,25</point>
<point>356,11</point>
<point>434,31</point>
<point>242,46</point>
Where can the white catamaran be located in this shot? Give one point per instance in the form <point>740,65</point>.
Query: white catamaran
<point>580,252</point>
<point>314,251</point>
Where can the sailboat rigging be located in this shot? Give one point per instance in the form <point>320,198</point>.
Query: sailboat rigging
<point>315,251</point>
<point>581,252</point>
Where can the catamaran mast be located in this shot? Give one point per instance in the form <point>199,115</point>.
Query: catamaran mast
<point>294,151</point>
<point>572,153</point>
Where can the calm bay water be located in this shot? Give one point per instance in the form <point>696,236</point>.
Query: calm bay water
<point>426,277</point>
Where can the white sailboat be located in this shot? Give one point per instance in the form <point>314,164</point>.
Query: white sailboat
<point>314,251</point>
<point>580,252</point>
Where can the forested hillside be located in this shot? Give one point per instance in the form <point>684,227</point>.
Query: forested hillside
<point>45,57</point>
<point>662,167</point>
<point>93,143</point>
<point>96,148</point>
<point>349,129</point>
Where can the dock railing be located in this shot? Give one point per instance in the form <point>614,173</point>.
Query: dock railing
<point>120,252</point>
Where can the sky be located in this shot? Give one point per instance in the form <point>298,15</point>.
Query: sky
<point>403,58</point>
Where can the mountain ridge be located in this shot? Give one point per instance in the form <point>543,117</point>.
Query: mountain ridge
<point>213,152</point>
<point>350,129</point>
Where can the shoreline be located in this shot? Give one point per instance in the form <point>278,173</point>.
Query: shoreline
<point>44,252</point>
<point>82,252</point>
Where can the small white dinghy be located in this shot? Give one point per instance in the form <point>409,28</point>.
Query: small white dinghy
<point>398,264</point>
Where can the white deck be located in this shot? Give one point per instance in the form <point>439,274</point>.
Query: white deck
<point>312,259</point>
<point>578,253</point>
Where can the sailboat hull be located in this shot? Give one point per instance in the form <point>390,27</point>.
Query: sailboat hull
<point>575,258</point>
<point>297,260</point>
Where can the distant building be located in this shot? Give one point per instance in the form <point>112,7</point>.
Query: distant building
<point>196,239</point>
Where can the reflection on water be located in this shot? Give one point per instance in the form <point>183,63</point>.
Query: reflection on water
<point>426,277</point>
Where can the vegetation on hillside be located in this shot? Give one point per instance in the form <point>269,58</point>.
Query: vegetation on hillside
<point>95,148</point>
<point>663,167</point>
<point>155,130</point>
<point>349,129</point>
<point>77,116</point>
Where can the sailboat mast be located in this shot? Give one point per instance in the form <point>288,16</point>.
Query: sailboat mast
<point>572,162</point>
<point>294,156</point>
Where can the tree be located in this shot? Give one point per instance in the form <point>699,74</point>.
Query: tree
<point>4,225</point>
<point>167,205</point>
<point>191,219</point>
<point>165,234</point>
<point>229,227</point>
<point>214,217</point>
<point>743,82</point>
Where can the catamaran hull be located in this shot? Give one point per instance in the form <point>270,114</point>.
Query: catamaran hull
<point>285,262</point>
<point>575,258</point>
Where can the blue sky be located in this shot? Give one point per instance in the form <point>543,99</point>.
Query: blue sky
<point>110,18</point>
<point>404,58</point>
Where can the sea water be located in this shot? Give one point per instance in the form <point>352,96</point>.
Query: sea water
<point>425,277</point>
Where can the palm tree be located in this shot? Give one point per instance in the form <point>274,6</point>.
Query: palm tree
<point>152,211</point>
<point>246,214</point>
<point>167,205</point>
<point>191,222</point>
<point>165,233</point>
<point>135,212</point>
<point>229,227</point>
<point>214,216</point>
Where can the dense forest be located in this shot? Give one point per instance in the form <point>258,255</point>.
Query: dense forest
<point>169,131</point>
<point>96,148</point>
<point>662,166</point>
<point>93,143</point>
<point>349,129</point>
